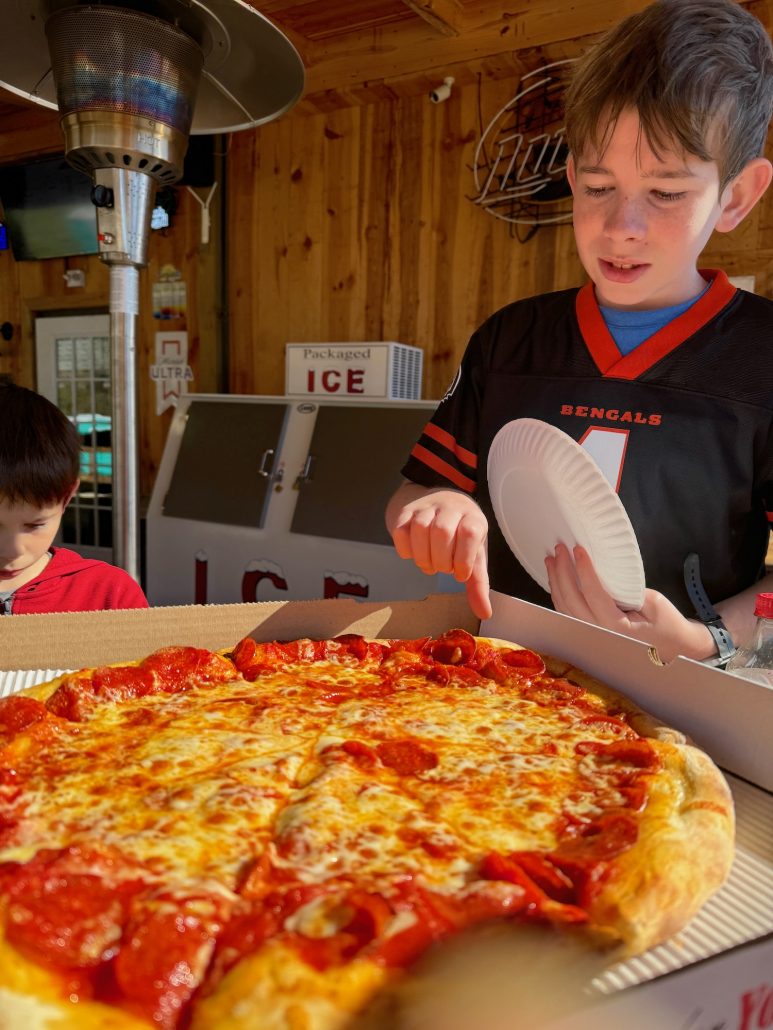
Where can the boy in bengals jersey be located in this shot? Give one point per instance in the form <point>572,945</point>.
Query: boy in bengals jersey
<point>666,121</point>
<point>39,468</point>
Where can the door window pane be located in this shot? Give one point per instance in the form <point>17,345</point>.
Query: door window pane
<point>83,363</point>
<point>102,399</point>
<point>64,357</point>
<point>83,402</point>
<point>64,397</point>
<point>101,356</point>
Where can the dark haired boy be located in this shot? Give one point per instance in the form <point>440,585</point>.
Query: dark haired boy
<point>666,121</point>
<point>39,467</point>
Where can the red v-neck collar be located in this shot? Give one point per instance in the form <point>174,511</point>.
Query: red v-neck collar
<point>604,351</point>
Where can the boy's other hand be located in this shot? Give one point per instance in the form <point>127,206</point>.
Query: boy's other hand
<point>576,590</point>
<point>443,531</point>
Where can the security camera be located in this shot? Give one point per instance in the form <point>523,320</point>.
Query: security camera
<point>441,93</point>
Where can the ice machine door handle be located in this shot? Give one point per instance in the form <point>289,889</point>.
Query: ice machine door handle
<point>266,459</point>
<point>306,474</point>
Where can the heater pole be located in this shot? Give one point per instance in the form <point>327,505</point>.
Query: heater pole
<point>124,202</point>
<point>124,308</point>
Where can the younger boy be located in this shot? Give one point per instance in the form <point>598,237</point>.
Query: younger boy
<point>39,467</point>
<point>666,122</point>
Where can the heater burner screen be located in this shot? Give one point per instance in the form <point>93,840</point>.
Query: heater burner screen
<point>109,59</point>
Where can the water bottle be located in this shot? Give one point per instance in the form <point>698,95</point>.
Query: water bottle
<point>755,661</point>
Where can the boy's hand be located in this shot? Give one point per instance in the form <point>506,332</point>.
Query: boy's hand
<point>443,531</point>
<point>576,590</point>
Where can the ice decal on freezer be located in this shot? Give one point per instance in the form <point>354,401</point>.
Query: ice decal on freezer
<point>256,572</point>
<point>347,583</point>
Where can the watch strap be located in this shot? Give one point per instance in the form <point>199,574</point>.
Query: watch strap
<point>706,611</point>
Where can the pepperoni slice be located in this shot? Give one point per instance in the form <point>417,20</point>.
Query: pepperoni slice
<point>368,914</point>
<point>260,919</point>
<point>245,933</point>
<point>637,752</point>
<point>361,752</point>
<point>66,910</point>
<point>456,647</point>
<point>253,659</point>
<point>420,645</point>
<point>524,660</point>
<point>539,903</point>
<point>548,877</point>
<point>174,669</point>
<point>17,713</point>
<point>166,950</point>
<point>406,757</point>
<point>73,699</point>
<point>358,647</point>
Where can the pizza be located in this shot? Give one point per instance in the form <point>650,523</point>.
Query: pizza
<point>272,837</point>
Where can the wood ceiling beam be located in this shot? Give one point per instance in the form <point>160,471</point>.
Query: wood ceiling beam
<point>491,27</point>
<point>446,16</point>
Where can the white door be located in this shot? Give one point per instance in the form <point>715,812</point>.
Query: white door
<point>73,371</point>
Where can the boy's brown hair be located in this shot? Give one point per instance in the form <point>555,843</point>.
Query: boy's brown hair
<point>699,73</point>
<point>39,449</point>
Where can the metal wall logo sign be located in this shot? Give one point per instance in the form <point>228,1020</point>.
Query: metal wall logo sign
<point>520,160</point>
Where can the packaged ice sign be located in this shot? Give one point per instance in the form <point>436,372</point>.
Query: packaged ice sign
<point>391,370</point>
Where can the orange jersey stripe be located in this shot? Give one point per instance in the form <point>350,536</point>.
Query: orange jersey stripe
<point>468,457</point>
<point>438,465</point>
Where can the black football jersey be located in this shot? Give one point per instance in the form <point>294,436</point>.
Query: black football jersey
<point>692,407</point>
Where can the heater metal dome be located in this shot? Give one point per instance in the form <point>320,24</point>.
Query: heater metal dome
<point>251,73</point>
<point>126,87</point>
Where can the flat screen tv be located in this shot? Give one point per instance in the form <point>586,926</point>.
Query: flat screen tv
<point>48,209</point>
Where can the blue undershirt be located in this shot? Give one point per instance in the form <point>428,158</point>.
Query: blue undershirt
<point>630,328</point>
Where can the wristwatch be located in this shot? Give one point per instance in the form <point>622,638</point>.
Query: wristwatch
<point>707,613</point>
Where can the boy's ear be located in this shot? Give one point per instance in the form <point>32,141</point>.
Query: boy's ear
<point>740,195</point>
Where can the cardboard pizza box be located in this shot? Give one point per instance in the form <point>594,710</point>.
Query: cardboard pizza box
<point>718,972</point>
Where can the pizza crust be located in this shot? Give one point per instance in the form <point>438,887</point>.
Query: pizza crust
<point>274,989</point>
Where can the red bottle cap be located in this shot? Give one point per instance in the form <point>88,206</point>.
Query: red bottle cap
<point>764,606</point>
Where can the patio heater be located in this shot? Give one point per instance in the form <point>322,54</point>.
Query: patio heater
<point>131,80</point>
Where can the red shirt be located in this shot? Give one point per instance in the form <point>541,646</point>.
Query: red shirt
<point>70,583</point>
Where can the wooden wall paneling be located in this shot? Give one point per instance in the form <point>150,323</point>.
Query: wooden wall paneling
<point>344,286</point>
<point>460,231</point>
<point>257,244</point>
<point>308,281</point>
<point>412,226</point>
<point>376,177</point>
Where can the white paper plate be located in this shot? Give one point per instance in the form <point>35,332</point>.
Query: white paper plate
<point>545,489</point>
